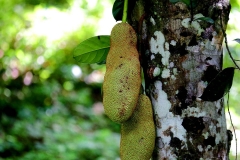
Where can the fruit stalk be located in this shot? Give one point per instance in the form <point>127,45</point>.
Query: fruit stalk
<point>125,10</point>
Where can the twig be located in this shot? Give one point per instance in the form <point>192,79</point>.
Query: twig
<point>232,123</point>
<point>225,37</point>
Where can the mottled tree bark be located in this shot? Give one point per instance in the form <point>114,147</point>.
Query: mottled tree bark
<point>180,56</point>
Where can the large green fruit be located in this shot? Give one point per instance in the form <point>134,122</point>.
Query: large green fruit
<point>138,133</point>
<point>122,80</point>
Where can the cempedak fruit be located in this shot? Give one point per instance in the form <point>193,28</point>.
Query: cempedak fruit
<point>138,133</point>
<point>122,80</point>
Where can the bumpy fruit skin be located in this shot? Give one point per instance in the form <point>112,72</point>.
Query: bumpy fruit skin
<point>138,133</point>
<point>122,79</point>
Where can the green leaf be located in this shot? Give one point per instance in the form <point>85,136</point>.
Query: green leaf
<point>194,3</point>
<point>92,50</point>
<point>174,1</point>
<point>187,2</point>
<point>237,40</point>
<point>207,19</point>
<point>190,3</point>
<point>117,9</point>
<point>219,86</point>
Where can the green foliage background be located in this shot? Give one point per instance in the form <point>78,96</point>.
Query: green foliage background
<point>47,111</point>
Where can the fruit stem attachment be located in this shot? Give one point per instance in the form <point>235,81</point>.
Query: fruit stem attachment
<point>125,10</point>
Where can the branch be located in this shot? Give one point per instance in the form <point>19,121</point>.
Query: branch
<point>225,37</point>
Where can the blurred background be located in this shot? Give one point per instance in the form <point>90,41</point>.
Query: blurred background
<point>51,106</point>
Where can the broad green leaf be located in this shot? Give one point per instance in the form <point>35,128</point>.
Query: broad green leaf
<point>92,50</point>
<point>117,9</point>
<point>207,19</point>
<point>237,40</point>
<point>219,86</point>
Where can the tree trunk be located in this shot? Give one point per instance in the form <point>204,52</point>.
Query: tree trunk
<point>180,56</point>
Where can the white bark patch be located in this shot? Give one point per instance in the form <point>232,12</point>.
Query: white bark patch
<point>152,21</point>
<point>171,64</point>
<point>214,127</point>
<point>197,27</point>
<point>156,71</point>
<point>152,56</point>
<point>165,58</point>
<point>218,138</point>
<point>174,125</point>
<point>186,22</point>
<point>161,104</point>
<point>168,154</point>
<point>215,41</point>
<point>200,148</point>
<point>200,88</point>
<point>175,71</point>
<point>207,148</point>
<point>168,122</point>
<point>167,46</point>
<point>173,43</point>
<point>157,47</point>
<point>165,73</point>
<point>221,4</point>
<point>193,111</point>
<point>205,135</point>
<point>173,77</point>
<point>195,24</point>
<point>209,45</point>
<point>156,44</point>
<point>218,104</point>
